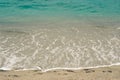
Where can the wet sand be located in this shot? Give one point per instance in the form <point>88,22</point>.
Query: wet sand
<point>103,73</point>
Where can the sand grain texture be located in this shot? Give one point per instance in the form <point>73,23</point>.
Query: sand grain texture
<point>105,73</point>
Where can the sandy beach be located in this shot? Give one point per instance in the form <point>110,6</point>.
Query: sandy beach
<point>103,73</point>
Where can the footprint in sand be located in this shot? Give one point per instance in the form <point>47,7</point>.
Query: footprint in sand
<point>107,71</point>
<point>89,70</point>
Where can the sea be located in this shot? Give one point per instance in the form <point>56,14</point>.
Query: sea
<point>59,34</point>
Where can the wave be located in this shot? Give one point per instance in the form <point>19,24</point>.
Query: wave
<point>61,68</point>
<point>60,47</point>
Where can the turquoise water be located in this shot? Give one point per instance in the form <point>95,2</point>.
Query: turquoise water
<point>12,11</point>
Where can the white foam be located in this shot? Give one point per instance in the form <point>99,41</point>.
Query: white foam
<point>50,51</point>
<point>60,68</point>
<point>4,68</point>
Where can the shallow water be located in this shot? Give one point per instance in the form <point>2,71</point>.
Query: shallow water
<point>45,34</point>
<point>18,11</point>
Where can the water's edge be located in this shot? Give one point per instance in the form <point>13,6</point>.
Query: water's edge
<point>59,68</point>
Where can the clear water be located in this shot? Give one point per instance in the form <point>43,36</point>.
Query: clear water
<point>12,11</point>
<point>45,34</point>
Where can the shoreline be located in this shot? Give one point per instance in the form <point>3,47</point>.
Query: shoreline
<point>102,73</point>
<point>58,68</point>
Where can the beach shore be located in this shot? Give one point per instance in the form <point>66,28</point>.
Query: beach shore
<point>103,73</point>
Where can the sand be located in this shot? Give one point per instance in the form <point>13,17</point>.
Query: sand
<point>103,73</point>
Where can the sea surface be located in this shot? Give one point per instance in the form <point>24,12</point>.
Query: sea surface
<point>55,34</point>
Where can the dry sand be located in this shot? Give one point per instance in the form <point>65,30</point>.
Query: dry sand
<point>104,73</point>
